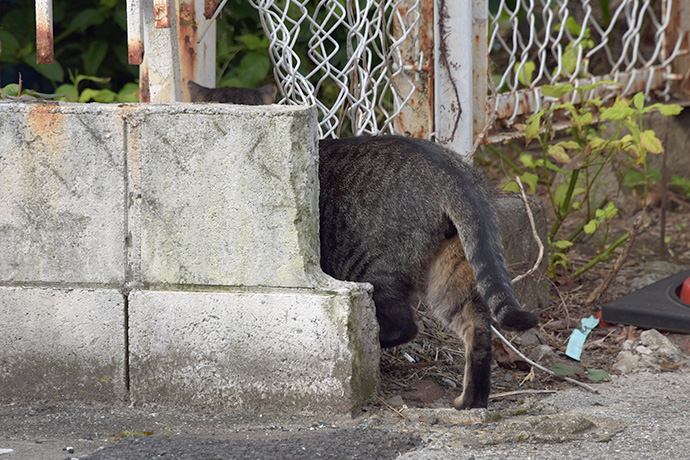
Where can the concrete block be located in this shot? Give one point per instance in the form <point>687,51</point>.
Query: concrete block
<point>522,250</point>
<point>227,195</point>
<point>208,216</point>
<point>62,344</point>
<point>277,351</point>
<point>62,194</point>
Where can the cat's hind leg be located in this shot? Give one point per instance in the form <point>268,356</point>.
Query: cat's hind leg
<point>451,296</point>
<point>396,320</point>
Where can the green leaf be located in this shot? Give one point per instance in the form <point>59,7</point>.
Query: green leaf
<point>69,90</point>
<point>569,145</point>
<point>533,124</point>
<point>97,95</point>
<point>531,180</point>
<point>52,71</point>
<point>562,244</point>
<point>591,226</point>
<point>93,56</point>
<point>638,101</point>
<point>572,26</point>
<point>608,212</point>
<point>527,160</point>
<point>598,375</point>
<point>633,178</point>
<point>511,186</point>
<point>586,119</point>
<point>566,369</point>
<point>616,113</point>
<point>558,153</point>
<point>665,109</point>
<point>10,46</point>
<point>559,195</point>
<point>128,93</point>
<point>85,19</point>
<point>11,89</point>
<point>650,142</point>
<point>254,42</point>
<point>525,72</point>
<point>556,91</point>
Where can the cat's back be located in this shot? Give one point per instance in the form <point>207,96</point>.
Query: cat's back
<point>395,164</point>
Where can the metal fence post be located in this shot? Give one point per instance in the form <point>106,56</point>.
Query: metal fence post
<point>44,32</point>
<point>417,52</point>
<point>172,55</point>
<point>680,27</point>
<point>480,64</point>
<point>453,52</point>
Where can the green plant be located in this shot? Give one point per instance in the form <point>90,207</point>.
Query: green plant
<point>569,168</point>
<point>682,184</point>
<point>594,375</point>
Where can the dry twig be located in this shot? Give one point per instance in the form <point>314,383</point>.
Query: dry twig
<point>620,261</point>
<point>539,366</point>
<point>534,233</point>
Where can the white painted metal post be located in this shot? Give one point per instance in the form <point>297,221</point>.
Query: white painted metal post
<point>44,32</point>
<point>135,42</point>
<point>172,55</point>
<point>159,72</point>
<point>453,50</point>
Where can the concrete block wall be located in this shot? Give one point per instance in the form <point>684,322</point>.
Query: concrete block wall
<point>169,253</point>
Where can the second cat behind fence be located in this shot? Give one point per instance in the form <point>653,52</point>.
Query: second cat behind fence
<point>417,222</point>
<point>232,95</point>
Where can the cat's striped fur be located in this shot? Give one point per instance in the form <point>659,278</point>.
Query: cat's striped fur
<point>414,220</point>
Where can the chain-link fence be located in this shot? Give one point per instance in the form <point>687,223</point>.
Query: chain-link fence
<point>348,57</point>
<point>341,56</point>
<point>538,42</point>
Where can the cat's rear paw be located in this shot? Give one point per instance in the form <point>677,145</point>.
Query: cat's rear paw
<point>464,403</point>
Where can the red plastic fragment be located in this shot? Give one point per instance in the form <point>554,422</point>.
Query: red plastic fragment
<point>685,291</point>
<point>603,323</point>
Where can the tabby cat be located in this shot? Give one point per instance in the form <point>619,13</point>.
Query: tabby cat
<point>415,221</point>
<point>231,95</point>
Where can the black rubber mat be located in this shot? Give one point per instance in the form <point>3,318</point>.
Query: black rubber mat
<point>657,306</point>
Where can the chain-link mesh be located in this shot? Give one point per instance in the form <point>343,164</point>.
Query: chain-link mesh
<point>538,42</point>
<point>340,56</point>
<point>345,56</point>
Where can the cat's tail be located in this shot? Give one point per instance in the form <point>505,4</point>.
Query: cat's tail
<point>469,208</point>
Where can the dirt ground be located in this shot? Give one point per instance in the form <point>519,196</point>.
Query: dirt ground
<point>428,372</point>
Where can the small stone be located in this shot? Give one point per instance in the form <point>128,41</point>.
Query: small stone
<point>395,401</point>
<point>663,349</point>
<point>425,391</point>
<point>543,354</point>
<point>531,338</point>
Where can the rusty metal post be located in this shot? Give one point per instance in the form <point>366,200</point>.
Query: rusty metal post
<point>44,32</point>
<point>453,52</point>
<point>417,76</point>
<point>135,42</point>
<point>197,57</point>
<point>480,64</point>
<point>680,27</point>
<point>159,73</point>
<point>173,56</point>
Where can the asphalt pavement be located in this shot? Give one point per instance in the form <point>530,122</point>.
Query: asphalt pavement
<point>637,416</point>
